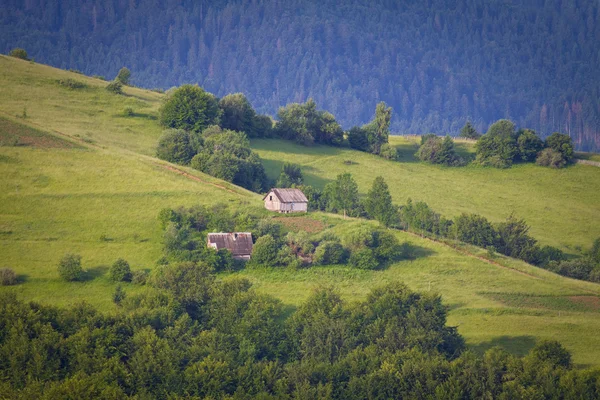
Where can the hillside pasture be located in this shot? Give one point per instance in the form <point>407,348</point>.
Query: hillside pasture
<point>561,206</point>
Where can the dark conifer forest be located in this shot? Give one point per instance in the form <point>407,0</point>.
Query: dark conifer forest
<point>438,63</point>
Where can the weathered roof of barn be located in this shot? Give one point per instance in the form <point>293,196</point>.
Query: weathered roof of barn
<point>239,243</point>
<point>289,195</point>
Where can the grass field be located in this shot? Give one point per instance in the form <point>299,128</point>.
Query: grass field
<point>79,176</point>
<point>561,206</point>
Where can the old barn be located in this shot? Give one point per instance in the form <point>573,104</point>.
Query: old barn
<point>238,243</point>
<point>286,201</point>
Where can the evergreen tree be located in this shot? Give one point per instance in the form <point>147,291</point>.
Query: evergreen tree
<point>469,132</point>
<point>378,203</point>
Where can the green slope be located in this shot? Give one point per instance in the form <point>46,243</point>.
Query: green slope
<point>561,206</point>
<point>99,190</point>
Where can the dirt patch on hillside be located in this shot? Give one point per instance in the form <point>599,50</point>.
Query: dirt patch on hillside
<point>591,302</point>
<point>301,224</point>
<point>17,135</point>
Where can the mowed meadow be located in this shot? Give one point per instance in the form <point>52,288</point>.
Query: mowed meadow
<point>78,175</point>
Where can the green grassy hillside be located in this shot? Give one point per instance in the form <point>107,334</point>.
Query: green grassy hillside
<point>561,206</point>
<point>79,176</point>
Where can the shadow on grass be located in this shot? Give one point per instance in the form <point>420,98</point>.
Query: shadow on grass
<point>517,345</point>
<point>139,115</point>
<point>22,278</point>
<point>93,273</point>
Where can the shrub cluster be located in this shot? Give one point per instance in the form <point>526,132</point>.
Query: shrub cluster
<point>224,154</point>
<point>71,83</point>
<point>185,231</point>
<point>503,145</point>
<point>436,150</point>
<point>7,277</point>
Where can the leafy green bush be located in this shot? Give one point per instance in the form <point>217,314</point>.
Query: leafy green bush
<point>7,277</point>
<point>176,146</point>
<point>123,76</point>
<point>19,53</point>
<point>120,271</point>
<point>389,152</point>
<point>71,83</point>
<point>265,252</point>
<point>139,277</point>
<point>330,252</point>
<point>69,267</point>
<point>227,155</point>
<point>363,258</point>
<point>128,112</point>
<point>436,150</point>
<point>115,87</point>
<point>304,124</point>
<point>551,158</point>
<point>119,295</point>
<point>290,175</point>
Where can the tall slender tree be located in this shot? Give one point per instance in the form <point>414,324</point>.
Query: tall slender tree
<point>378,203</point>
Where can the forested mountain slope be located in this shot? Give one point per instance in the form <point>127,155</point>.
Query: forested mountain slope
<point>437,63</point>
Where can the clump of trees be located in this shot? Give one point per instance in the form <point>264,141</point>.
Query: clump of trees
<point>190,334</point>
<point>437,150</point>
<point>185,233</point>
<point>304,124</point>
<point>212,135</point>
<point>503,145</point>
<point>238,115</point>
<point>226,155</point>
<point>374,135</point>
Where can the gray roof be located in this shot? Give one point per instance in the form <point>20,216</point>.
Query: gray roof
<point>239,243</point>
<point>289,195</point>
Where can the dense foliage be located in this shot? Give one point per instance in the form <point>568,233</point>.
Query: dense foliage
<point>438,64</point>
<point>503,144</point>
<point>437,150</point>
<point>69,267</point>
<point>304,124</point>
<point>192,336</point>
<point>190,108</point>
<point>185,233</point>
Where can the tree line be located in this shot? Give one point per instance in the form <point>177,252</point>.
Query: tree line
<point>437,63</point>
<point>193,336</point>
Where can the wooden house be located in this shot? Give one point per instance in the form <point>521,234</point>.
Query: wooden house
<point>238,243</point>
<point>286,201</point>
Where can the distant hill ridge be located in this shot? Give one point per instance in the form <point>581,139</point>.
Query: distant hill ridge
<point>436,63</point>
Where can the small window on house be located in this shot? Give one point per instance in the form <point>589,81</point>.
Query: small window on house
<point>270,198</point>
